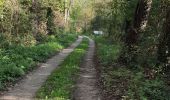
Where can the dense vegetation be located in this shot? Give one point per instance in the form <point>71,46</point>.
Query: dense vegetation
<point>134,52</point>
<point>17,60</point>
<point>121,82</point>
<point>31,31</point>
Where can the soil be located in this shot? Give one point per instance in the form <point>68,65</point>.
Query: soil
<point>87,84</point>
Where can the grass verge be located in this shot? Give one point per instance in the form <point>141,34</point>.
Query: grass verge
<point>110,79</point>
<point>60,83</point>
<point>15,61</point>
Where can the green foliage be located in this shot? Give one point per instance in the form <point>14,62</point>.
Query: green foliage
<point>112,76</point>
<point>17,60</point>
<point>24,23</point>
<point>1,5</point>
<point>145,61</point>
<point>108,52</point>
<point>141,88</point>
<point>110,17</point>
<point>132,83</point>
<point>130,9</point>
<point>60,83</point>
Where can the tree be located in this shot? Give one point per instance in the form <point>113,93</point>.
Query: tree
<point>139,23</point>
<point>167,30</point>
<point>35,17</point>
<point>50,21</point>
<point>164,39</point>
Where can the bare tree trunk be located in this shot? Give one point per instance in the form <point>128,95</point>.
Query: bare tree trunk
<point>68,6</point>
<point>162,47</point>
<point>142,14</point>
<point>138,25</point>
<point>167,31</point>
<point>50,21</point>
<point>140,21</point>
<point>164,40</point>
<point>65,10</point>
<point>16,18</point>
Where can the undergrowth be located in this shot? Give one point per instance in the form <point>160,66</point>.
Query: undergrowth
<point>121,82</point>
<point>60,83</point>
<point>16,60</point>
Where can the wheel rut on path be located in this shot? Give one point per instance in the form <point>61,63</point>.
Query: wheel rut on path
<point>86,87</point>
<point>27,87</point>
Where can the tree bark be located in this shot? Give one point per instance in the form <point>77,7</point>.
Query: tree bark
<point>68,6</point>
<point>142,14</point>
<point>50,21</point>
<point>34,18</point>
<point>140,21</point>
<point>164,40</point>
<point>65,10</point>
<point>167,32</point>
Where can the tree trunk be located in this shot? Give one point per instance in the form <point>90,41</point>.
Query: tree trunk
<point>142,14</point>
<point>167,31</point>
<point>164,41</point>
<point>68,6</point>
<point>65,10</point>
<point>50,21</point>
<point>162,48</point>
<point>140,21</point>
<point>34,18</point>
<point>133,32</point>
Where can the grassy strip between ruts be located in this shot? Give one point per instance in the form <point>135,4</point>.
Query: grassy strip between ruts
<point>15,61</point>
<point>60,83</point>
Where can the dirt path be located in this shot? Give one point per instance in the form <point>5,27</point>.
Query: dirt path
<point>26,89</point>
<point>86,87</point>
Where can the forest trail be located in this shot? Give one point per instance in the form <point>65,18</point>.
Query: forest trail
<point>26,88</point>
<point>86,86</point>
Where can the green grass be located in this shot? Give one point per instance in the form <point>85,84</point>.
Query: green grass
<point>60,83</point>
<point>107,52</point>
<point>15,61</point>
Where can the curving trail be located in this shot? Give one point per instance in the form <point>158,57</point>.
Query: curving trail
<point>26,88</point>
<point>86,87</point>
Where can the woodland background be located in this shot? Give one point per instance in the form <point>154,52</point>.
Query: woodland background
<point>139,29</point>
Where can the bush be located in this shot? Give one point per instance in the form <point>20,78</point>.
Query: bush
<point>141,88</point>
<point>107,51</point>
